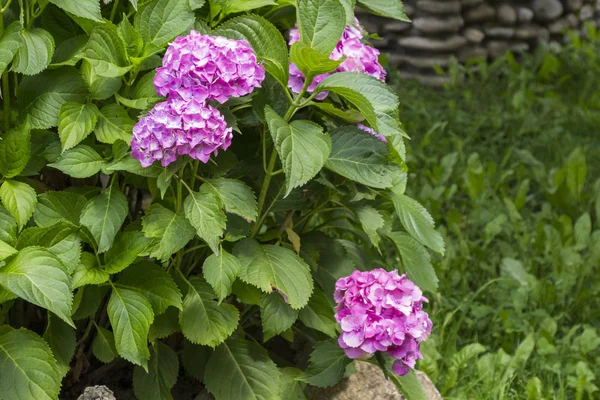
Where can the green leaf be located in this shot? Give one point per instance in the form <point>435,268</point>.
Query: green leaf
<point>321,23</point>
<point>265,39</point>
<point>88,272</point>
<point>61,239</point>
<point>75,122</point>
<point>154,283</point>
<point>416,261</point>
<point>162,374</point>
<point>203,320</point>
<point>409,385</point>
<point>311,62</point>
<point>385,8</point>
<point>237,6</point>
<point>79,162</point>
<point>38,276</point>
<point>237,197</point>
<point>361,157</point>
<point>143,95</point>
<point>204,213</point>
<point>19,199</point>
<point>160,21</point>
<point>251,373</point>
<point>350,116</point>
<point>303,148</point>
<point>164,325</point>
<point>6,250</point>
<point>171,231</point>
<point>105,51</point>
<point>68,51</point>
<point>583,231</point>
<point>576,171</point>
<point>327,364</point>
<point>114,124</point>
<point>246,293</point>
<point>291,387</point>
<point>103,345</point>
<point>374,99</point>
<point>128,246</point>
<point>89,9</point>
<point>418,222</point>
<point>9,44</point>
<point>8,227</point>
<point>133,166</point>
<point>133,40</point>
<point>271,267</point>
<point>35,53</point>
<point>61,338</point>
<point>53,207</point>
<point>276,315</point>
<point>87,301</point>
<point>103,216</point>
<point>28,366</point>
<point>371,220</point>
<point>197,4</point>
<point>15,151</point>
<point>42,95</point>
<point>318,314</point>
<point>100,87</point>
<point>220,272</point>
<point>195,358</point>
<point>130,315</point>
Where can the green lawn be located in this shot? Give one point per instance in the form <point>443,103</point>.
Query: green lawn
<point>508,164</point>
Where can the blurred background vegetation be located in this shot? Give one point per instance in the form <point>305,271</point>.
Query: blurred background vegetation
<point>507,160</point>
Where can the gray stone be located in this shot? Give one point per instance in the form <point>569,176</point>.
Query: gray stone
<point>474,35</point>
<point>424,62</point>
<point>482,12</point>
<point>524,14</point>
<point>500,32</point>
<point>573,20</point>
<point>560,25</point>
<point>469,53</point>
<point>506,14</point>
<point>396,27</point>
<point>97,393</point>
<point>519,47</point>
<point>527,32</point>
<point>497,48</point>
<point>368,383</point>
<point>451,43</point>
<point>543,35</point>
<point>438,25</point>
<point>587,12</point>
<point>409,10</point>
<point>573,5</point>
<point>547,10</point>
<point>439,7</point>
<point>470,3</point>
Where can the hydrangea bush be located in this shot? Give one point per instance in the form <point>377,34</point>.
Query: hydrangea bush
<point>208,190</point>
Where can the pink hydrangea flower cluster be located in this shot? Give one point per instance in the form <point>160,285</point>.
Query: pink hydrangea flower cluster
<point>372,132</point>
<point>208,68</point>
<point>178,127</point>
<point>196,69</point>
<point>382,311</point>
<point>359,58</point>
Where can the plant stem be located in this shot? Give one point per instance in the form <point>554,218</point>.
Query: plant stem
<point>114,10</point>
<point>264,189</point>
<point>6,98</point>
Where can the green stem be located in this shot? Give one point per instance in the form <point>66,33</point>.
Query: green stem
<point>3,10</point>
<point>114,10</point>
<point>6,98</point>
<point>264,189</point>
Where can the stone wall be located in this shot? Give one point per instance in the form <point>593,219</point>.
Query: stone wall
<point>474,28</point>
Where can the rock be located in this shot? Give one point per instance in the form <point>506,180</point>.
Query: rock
<point>368,383</point>
<point>506,14</point>
<point>586,12</point>
<point>573,5</point>
<point>469,53</point>
<point>452,43</point>
<point>438,25</point>
<point>474,35</point>
<point>500,32</point>
<point>470,3</point>
<point>409,10</point>
<point>519,47</point>
<point>424,62</point>
<point>439,7</point>
<point>526,32</point>
<point>396,27</point>
<point>547,10</point>
<point>97,393</point>
<point>497,48</point>
<point>482,12</point>
<point>524,14</point>
<point>543,35</point>
<point>560,25</point>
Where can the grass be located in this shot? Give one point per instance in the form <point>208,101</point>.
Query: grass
<point>508,161</point>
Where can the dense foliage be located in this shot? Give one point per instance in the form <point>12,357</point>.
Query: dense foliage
<point>507,161</point>
<point>197,263</point>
